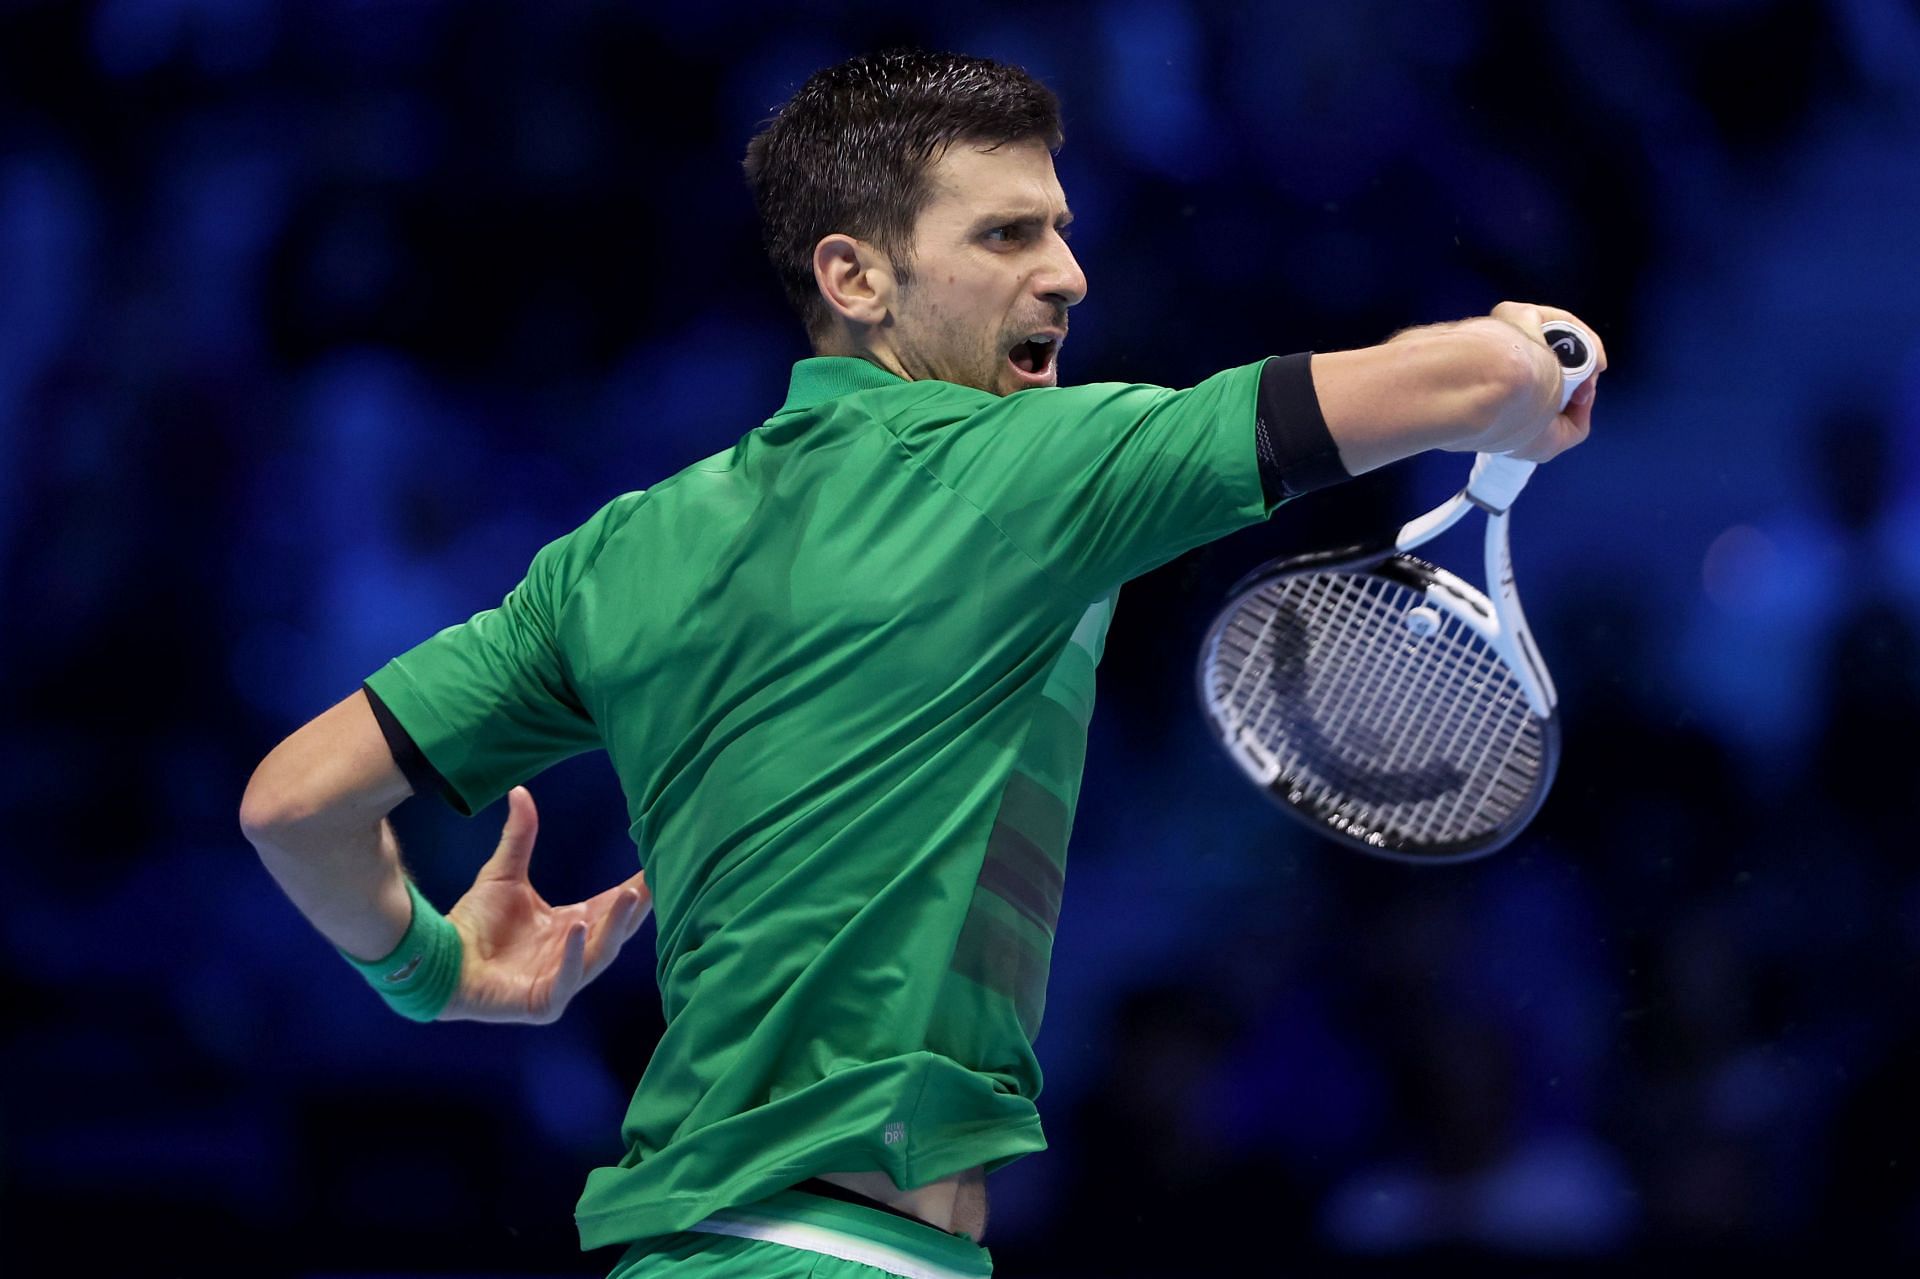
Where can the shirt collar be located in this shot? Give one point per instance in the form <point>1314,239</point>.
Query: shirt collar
<point>824,377</point>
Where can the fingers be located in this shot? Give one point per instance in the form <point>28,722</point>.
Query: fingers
<point>1567,429</point>
<point>515,850</point>
<point>1528,317</point>
<point>1533,313</point>
<point>1577,419</point>
<point>636,886</point>
<point>1582,400</point>
<point>592,942</point>
<point>1571,426</point>
<point>639,885</point>
<point>615,928</point>
<point>572,975</point>
<point>1524,316</point>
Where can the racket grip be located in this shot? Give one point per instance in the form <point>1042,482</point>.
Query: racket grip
<point>1497,480</point>
<point>1573,347</point>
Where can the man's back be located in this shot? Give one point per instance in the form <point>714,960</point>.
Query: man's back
<point>844,672</point>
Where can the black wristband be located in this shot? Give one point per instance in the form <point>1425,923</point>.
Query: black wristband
<point>1297,454</point>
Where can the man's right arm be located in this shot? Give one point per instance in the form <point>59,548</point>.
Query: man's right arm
<point>1101,483</point>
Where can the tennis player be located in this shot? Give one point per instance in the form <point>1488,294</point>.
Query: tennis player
<point>844,670</point>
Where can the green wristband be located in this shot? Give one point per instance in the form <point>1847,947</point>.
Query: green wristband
<point>418,977</point>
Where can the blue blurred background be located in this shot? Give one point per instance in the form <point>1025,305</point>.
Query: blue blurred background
<point>317,320</point>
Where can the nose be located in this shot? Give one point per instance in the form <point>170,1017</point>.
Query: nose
<point>1060,280</point>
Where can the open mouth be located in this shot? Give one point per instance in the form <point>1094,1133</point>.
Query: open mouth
<point>1033,358</point>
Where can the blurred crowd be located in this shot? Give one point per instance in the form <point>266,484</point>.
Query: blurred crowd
<point>316,321</point>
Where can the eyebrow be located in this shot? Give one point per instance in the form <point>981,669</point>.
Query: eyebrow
<point>1008,219</point>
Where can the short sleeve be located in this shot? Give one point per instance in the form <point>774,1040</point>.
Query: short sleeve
<point>493,701</point>
<point>1101,483</point>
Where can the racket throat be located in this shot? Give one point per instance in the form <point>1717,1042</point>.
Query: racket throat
<point>1511,635</point>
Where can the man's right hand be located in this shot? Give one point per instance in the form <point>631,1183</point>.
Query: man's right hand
<point>1485,385</point>
<point>522,959</point>
<point>1537,428</point>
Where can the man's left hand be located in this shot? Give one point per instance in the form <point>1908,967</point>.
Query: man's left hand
<point>522,959</point>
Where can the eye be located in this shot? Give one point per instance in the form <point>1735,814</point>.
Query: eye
<point>1005,234</point>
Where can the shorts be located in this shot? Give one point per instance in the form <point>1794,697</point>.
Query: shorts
<point>795,1235</point>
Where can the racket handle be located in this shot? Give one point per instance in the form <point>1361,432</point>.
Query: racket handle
<point>1573,347</point>
<point>1497,480</point>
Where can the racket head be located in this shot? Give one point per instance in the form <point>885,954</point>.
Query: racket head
<point>1363,692</point>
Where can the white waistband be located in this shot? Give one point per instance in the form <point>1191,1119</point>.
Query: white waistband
<point>830,1242</point>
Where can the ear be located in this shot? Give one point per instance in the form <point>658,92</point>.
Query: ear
<point>855,279</point>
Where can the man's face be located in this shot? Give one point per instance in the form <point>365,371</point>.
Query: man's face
<point>991,273</point>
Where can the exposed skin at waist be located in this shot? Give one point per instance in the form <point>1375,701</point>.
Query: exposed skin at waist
<point>957,1203</point>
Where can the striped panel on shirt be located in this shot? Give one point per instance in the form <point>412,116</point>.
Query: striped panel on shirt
<point>1006,943</point>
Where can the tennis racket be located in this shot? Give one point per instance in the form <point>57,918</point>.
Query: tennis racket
<point>1384,701</point>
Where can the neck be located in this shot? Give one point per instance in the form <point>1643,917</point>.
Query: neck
<point>857,346</point>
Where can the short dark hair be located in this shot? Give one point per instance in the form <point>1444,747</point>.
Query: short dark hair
<point>849,153</point>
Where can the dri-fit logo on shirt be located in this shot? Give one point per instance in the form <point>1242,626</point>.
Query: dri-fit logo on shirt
<point>895,1134</point>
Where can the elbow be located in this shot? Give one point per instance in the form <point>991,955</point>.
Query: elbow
<point>263,808</point>
<point>273,804</point>
<point>335,775</point>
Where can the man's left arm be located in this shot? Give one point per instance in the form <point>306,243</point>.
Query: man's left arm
<point>316,811</point>
<point>470,712</point>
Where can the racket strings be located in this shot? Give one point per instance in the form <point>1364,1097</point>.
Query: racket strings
<point>1392,737</point>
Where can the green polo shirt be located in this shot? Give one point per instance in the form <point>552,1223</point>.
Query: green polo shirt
<point>843,671</point>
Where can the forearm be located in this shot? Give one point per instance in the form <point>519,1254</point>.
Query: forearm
<point>344,877</point>
<point>1441,386</point>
